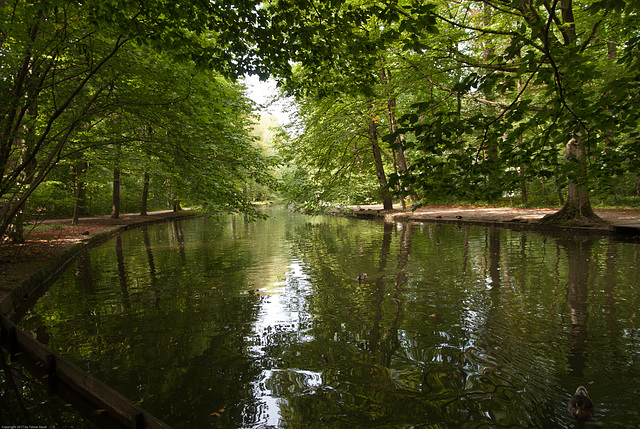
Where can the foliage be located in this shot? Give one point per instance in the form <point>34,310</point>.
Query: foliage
<point>82,82</point>
<point>490,94</point>
<point>535,87</point>
<point>331,161</point>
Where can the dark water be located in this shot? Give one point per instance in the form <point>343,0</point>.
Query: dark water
<point>224,323</point>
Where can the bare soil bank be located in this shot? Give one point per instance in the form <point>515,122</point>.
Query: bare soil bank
<point>496,215</point>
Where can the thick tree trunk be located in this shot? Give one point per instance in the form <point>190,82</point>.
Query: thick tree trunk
<point>15,233</point>
<point>377,156</point>
<point>577,209</point>
<point>80,204</point>
<point>523,189</point>
<point>399,159</point>
<point>115,208</point>
<point>145,194</point>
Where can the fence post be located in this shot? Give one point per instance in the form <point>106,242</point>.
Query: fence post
<point>52,373</point>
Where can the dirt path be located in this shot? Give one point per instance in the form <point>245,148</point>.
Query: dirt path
<point>495,215</point>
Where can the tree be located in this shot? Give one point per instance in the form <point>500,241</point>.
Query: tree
<point>372,132</point>
<point>543,75</point>
<point>58,58</point>
<point>503,93</point>
<point>175,122</point>
<point>339,54</point>
<point>332,161</point>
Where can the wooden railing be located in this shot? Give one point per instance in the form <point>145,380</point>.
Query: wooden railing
<point>95,400</point>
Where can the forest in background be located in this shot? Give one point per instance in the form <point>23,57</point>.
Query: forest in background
<point>133,106</point>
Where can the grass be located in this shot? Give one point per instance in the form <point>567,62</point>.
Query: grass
<point>54,226</point>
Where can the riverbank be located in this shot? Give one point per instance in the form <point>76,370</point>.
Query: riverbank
<point>618,221</point>
<point>51,242</point>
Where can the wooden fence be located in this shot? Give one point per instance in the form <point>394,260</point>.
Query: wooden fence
<point>94,399</point>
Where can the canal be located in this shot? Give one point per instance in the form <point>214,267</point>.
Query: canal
<point>224,323</point>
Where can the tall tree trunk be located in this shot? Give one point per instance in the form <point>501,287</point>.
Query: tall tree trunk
<point>377,156</point>
<point>15,232</point>
<point>80,192</point>
<point>29,164</point>
<point>493,189</point>
<point>399,158</point>
<point>145,194</point>
<point>523,182</point>
<point>577,208</point>
<point>115,208</point>
<point>523,188</point>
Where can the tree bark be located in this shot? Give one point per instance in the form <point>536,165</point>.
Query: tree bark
<point>523,188</point>
<point>80,192</point>
<point>145,194</point>
<point>577,209</point>
<point>523,182</point>
<point>15,232</point>
<point>377,156</point>
<point>115,208</point>
<point>399,158</point>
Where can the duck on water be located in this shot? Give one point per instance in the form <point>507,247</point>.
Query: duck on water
<point>580,406</point>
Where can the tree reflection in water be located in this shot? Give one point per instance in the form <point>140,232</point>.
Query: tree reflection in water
<point>226,323</point>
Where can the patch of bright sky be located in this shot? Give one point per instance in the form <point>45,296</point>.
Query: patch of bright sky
<point>265,94</point>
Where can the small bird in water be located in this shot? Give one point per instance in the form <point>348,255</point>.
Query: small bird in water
<point>580,406</point>
<point>362,276</point>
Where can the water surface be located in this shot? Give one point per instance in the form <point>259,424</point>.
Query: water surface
<point>223,323</point>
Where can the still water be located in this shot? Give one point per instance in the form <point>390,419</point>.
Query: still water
<point>224,323</point>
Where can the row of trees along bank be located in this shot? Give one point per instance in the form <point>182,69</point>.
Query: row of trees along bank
<point>96,95</point>
<point>473,99</point>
